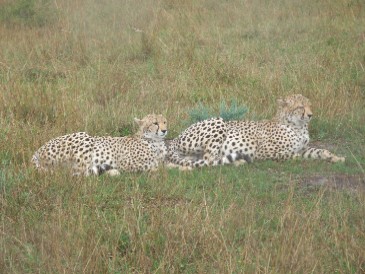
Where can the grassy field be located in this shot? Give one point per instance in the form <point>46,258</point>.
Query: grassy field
<point>91,65</point>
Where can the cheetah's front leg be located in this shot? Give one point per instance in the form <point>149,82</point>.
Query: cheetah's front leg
<point>317,153</point>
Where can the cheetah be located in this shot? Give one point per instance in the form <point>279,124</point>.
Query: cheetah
<point>201,145</point>
<point>286,136</point>
<point>86,155</point>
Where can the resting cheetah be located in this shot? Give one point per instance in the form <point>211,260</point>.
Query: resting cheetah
<point>86,154</point>
<point>284,137</point>
<point>201,145</point>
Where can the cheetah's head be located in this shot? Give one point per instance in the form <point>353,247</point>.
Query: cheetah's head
<point>152,126</point>
<point>294,109</point>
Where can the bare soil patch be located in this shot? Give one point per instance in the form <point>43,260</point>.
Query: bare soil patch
<point>336,181</point>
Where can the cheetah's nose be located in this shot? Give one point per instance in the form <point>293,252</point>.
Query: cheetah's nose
<point>310,116</point>
<point>163,131</point>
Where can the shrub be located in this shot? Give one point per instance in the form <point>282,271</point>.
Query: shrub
<point>228,112</point>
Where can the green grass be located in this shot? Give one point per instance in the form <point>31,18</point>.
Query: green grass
<point>69,66</point>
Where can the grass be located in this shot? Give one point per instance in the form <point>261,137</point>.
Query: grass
<point>90,65</point>
<point>27,13</point>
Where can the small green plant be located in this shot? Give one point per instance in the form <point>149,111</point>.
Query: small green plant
<point>199,113</point>
<point>126,130</point>
<point>124,243</point>
<point>232,112</point>
<point>228,112</point>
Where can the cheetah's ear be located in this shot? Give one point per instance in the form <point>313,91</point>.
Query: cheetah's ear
<point>138,121</point>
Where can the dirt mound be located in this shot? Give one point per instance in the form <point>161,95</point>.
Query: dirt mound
<point>337,181</point>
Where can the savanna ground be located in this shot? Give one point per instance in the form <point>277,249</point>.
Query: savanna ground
<point>91,65</point>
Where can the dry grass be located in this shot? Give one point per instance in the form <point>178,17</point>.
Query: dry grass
<point>97,64</point>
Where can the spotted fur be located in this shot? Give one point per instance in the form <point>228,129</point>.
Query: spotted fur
<point>201,145</point>
<point>85,154</point>
<point>284,137</point>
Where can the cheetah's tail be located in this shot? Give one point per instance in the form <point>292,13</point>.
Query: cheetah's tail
<point>233,158</point>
